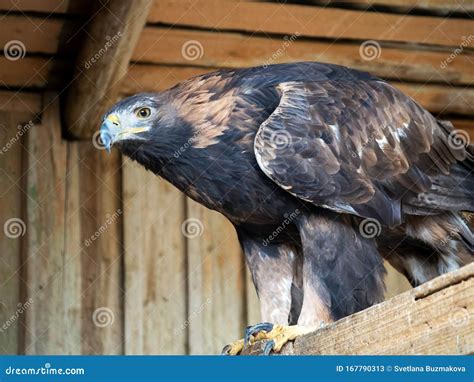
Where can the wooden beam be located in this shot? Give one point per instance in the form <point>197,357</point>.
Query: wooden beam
<point>435,318</point>
<point>310,21</point>
<point>102,63</point>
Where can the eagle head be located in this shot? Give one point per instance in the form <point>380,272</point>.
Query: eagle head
<point>131,120</point>
<point>146,127</point>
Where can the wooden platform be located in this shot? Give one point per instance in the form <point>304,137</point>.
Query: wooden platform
<point>434,318</point>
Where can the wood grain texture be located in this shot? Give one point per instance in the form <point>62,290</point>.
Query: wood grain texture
<point>35,33</point>
<point>73,244</point>
<point>434,318</point>
<point>235,50</point>
<point>456,5</point>
<point>311,21</point>
<point>45,172</point>
<point>155,264</point>
<point>11,207</point>
<point>219,49</point>
<point>46,6</point>
<point>216,277</point>
<point>25,103</point>
<point>435,98</point>
<point>102,62</point>
<point>96,207</point>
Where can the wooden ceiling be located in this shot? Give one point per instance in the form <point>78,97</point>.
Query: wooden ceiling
<point>414,44</point>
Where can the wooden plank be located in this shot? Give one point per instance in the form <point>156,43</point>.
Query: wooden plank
<point>214,49</point>
<point>155,264</point>
<point>457,5</point>
<point>35,33</point>
<point>13,228</point>
<point>46,6</point>
<point>102,62</point>
<point>435,98</point>
<point>21,102</point>
<point>94,219</point>
<point>29,72</point>
<point>45,171</point>
<point>216,276</point>
<point>311,21</point>
<point>431,319</point>
<point>164,46</point>
<point>441,99</point>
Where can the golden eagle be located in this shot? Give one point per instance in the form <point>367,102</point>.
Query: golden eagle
<point>323,170</point>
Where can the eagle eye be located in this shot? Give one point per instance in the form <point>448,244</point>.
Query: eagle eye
<point>143,112</point>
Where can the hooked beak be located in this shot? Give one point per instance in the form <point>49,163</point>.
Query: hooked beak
<point>111,131</point>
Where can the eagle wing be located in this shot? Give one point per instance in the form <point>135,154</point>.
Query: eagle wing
<point>355,146</point>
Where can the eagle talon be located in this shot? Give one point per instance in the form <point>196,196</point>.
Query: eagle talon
<point>234,348</point>
<point>269,345</point>
<point>252,331</point>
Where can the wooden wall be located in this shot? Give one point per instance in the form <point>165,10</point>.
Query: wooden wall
<point>142,286</point>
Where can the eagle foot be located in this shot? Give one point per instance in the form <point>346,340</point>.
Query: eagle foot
<point>276,336</point>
